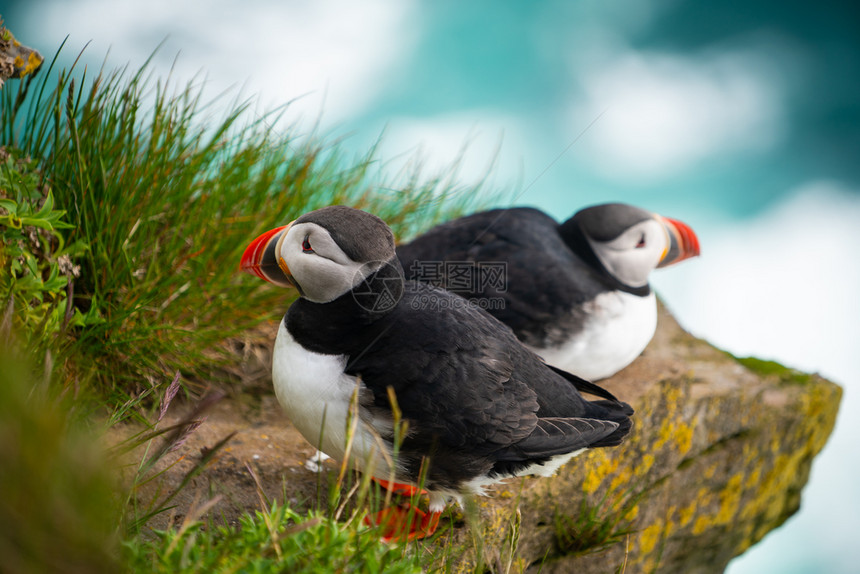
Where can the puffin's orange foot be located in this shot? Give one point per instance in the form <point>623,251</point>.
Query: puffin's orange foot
<point>404,523</point>
<point>399,487</point>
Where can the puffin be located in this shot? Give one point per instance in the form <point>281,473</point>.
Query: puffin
<point>575,293</point>
<point>361,348</point>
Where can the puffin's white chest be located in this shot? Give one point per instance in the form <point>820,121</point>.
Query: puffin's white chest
<point>618,328</point>
<point>316,395</point>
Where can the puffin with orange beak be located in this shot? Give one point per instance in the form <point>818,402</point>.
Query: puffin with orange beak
<point>478,405</point>
<point>577,293</point>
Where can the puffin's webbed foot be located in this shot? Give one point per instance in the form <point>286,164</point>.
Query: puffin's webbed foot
<point>405,522</point>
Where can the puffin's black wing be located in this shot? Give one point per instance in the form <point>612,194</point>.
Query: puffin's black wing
<point>554,436</point>
<point>451,370</point>
<point>471,392</point>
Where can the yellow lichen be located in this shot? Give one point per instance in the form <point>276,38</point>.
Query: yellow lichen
<point>754,478</point>
<point>730,499</point>
<point>701,525</point>
<point>685,515</point>
<point>650,536</point>
<point>704,496</point>
<point>632,513</point>
<point>645,465</point>
<point>670,528</point>
<point>684,438</point>
<point>34,60</point>
<point>591,482</point>
<point>670,521</point>
<point>600,466</point>
<point>674,430</point>
<point>622,478</point>
<point>710,471</point>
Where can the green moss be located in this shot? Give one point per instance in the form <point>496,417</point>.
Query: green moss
<point>786,375</point>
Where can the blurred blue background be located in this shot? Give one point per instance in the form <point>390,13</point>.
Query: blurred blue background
<point>740,118</point>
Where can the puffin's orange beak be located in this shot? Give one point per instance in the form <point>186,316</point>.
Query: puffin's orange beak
<point>262,258</point>
<point>683,242</point>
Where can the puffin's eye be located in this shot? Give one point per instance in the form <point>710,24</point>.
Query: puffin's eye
<point>306,246</point>
<point>641,242</point>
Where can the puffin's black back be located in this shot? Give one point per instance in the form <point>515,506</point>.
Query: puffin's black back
<point>545,280</point>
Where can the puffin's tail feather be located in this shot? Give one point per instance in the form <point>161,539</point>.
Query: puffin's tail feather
<point>617,437</point>
<point>610,409</point>
<point>583,385</point>
<point>614,411</point>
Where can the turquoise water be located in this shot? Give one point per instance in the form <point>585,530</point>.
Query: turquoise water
<point>739,118</point>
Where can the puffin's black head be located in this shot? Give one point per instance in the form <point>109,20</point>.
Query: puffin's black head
<point>628,242</point>
<point>324,253</point>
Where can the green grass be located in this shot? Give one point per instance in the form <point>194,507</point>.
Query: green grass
<point>596,526</point>
<point>273,540</point>
<point>162,192</point>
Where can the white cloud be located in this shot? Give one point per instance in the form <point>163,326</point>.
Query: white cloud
<point>784,285</point>
<point>334,55</point>
<point>474,140</point>
<point>664,113</point>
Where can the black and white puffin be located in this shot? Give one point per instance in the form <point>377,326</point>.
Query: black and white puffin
<point>577,294</point>
<point>480,407</point>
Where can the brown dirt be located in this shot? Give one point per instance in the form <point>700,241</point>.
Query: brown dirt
<point>264,440</point>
